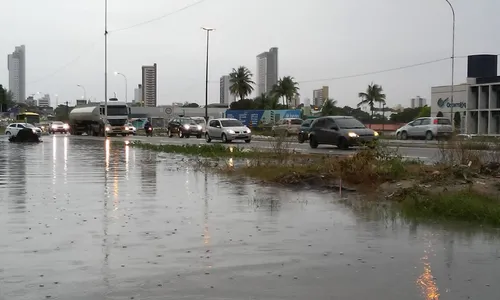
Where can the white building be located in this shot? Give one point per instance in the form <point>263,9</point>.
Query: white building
<point>138,94</point>
<point>225,95</point>
<point>418,102</point>
<point>267,71</point>
<point>16,64</point>
<point>44,101</point>
<point>149,85</point>
<point>320,95</point>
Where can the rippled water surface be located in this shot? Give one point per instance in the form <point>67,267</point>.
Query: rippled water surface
<point>82,219</point>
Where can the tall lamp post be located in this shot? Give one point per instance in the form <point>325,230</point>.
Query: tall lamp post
<point>125,77</point>
<point>84,91</point>
<point>452,65</point>
<point>105,67</point>
<point>208,30</point>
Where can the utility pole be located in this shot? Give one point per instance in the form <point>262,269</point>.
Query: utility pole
<point>206,72</point>
<point>452,65</point>
<point>105,67</point>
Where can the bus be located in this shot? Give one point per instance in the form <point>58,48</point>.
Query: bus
<point>28,117</point>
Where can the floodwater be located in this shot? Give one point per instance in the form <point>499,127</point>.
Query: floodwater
<point>83,219</point>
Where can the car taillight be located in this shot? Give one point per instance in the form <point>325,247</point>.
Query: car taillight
<point>435,121</point>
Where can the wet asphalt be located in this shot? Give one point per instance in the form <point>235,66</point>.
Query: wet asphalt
<point>86,219</point>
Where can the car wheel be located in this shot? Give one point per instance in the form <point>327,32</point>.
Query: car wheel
<point>313,143</point>
<point>224,138</point>
<point>398,136</point>
<point>248,141</point>
<point>429,136</point>
<point>198,136</point>
<point>187,136</point>
<point>273,133</point>
<point>207,138</point>
<point>300,139</point>
<point>169,133</point>
<point>181,135</point>
<point>342,144</point>
<point>8,133</point>
<point>404,135</point>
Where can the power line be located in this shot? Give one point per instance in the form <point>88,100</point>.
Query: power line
<point>377,72</point>
<point>65,65</point>
<point>158,18</point>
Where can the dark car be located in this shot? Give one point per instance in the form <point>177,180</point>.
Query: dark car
<point>184,127</point>
<point>341,131</point>
<point>303,134</point>
<point>58,126</point>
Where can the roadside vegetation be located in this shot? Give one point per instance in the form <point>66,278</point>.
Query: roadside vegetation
<point>464,185</point>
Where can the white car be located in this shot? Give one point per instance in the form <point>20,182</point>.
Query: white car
<point>227,130</point>
<point>131,128</point>
<point>14,128</point>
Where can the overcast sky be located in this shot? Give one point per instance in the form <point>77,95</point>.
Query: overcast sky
<point>317,40</point>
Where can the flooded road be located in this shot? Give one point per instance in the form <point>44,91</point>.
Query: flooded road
<point>83,219</point>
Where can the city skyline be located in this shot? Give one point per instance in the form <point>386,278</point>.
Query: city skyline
<point>16,66</point>
<point>308,51</point>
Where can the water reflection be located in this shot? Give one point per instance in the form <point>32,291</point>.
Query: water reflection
<point>148,172</point>
<point>426,280</point>
<point>17,174</point>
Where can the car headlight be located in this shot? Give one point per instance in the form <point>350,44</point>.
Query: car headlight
<point>34,130</point>
<point>353,135</point>
<point>126,128</point>
<point>43,127</point>
<point>248,130</point>
<point>186,126</point>
<point>230,131</point>
<point>65,126</point>
<point>108,128</point>
<point>199,127</point>
<point>375,133</point>
<point>54,126</point>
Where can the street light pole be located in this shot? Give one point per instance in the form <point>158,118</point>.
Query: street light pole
<point>452,64</point>
<point>206,72</point>
<point>84,91</point>
<point>126,89</point>
<point>105,67</point>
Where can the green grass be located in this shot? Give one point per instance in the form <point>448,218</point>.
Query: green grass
<point>204,150</point>
<point>468,206</point>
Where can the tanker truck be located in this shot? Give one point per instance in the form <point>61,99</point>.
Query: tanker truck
<point>90,119</point>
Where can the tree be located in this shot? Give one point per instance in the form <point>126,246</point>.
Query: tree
<point>5,99</point>
<point>241,82</point>
<point>439,114</point>
<point>329,108</point>
<point>424,112</point>
<point>373,94</point>
<point>405,116</point>
<point>286,88</point>
<point>267,102</point>
<point>243,104</point>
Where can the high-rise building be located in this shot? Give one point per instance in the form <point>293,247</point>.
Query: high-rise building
<point>16,64</point>
<point>295,101</point>
<point>225,94</point>
<point>320,95</point>
<point>138,94</point>
<point>149,85</point>
<point>267,71</point>
<point>418,102</point>
<point>44,101</point>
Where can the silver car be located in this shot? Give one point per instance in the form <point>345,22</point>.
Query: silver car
<point>428,128</point>
<point>227,130</point>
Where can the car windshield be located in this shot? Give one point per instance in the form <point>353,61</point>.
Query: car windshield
<point>28,125</point>
<point>199,121</point>
<point>188,121</point>
<point>296,121</point>
<point>57,123</point>
<point>349,123</point>
<point>231,123</point>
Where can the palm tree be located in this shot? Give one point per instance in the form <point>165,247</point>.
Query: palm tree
<point>265,101</point>
<point>328,108</point>
<point>373,94</point>
<point>241,82</point>
<point>287,88</point>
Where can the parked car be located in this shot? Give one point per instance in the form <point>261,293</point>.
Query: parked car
<point>304,129</point>
<point>131,128</point>
<point>227,130</point>
<point>342,131</point>
<point>58,126</point>
<point>426,128</point>
<point>184,128</point>
<point>14,128</point>
<point>287,126</point>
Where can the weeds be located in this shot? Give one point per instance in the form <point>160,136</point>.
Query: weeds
<point>212,151</point>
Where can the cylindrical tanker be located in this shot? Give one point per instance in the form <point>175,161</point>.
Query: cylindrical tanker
<point>90,119</point>
<point>88,113</point>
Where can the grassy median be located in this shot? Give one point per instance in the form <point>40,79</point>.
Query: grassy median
<point>463,185</point>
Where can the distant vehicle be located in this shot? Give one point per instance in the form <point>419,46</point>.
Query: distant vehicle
<point>201,121</point>
<point>184,127</point>
<point>287,126</point>
<point>131,128</point>
<point>14,128</point>
<point>58,126</point>
<point>90,119</point>
<point>427,128</point>
<point>28,117</point>
<point>342,131</point>
<point>227,130</point>
<point>303,134</point>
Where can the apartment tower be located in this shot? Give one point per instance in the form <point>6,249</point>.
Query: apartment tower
<point>267,71</point>
<point>149,85</point>
<point>16,64</point>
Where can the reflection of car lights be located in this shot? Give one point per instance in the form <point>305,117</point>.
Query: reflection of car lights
<point>353,135</point>
<point>230,131</point>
